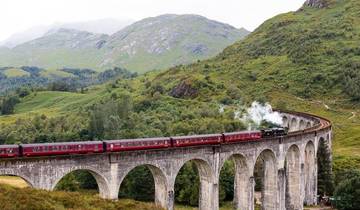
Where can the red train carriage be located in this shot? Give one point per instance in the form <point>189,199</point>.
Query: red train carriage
<point>137,144</point>
<point>66,148</point>
<point>8,151</point>
<point>242,136</point>
<point>183,141</point>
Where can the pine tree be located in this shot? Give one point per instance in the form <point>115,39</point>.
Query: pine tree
<point>325,177</point>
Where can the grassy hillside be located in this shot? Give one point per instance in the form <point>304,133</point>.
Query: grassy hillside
<point>15,72</point>
<point>33,77</point>
<point>12,198</point>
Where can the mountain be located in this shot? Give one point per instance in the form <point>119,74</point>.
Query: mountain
<point>105,26</point>
<point>168,40</point>
<point>58,48</point>
<point>152,43</point>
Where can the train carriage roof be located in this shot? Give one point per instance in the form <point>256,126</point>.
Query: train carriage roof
<point>197,136</point>
<point>9,146</point>
<point>62,143</point>
<point>137,140</point>
<point>241,132</point>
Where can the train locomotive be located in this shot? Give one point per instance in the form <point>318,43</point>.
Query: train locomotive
<point>90,147</point>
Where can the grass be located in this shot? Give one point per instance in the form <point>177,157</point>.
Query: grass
<point>30,199</point>
<point>13,181</point>
<point>16,72</point>
<point>10,183</point>
<point>51,73</point>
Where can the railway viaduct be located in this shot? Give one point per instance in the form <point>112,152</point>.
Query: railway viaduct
<point>289,168</point>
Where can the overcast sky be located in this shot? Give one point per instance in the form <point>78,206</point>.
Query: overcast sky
<point>19,15</point>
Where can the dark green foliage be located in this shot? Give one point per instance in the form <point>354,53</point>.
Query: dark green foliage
<point>325,176</point>
<point>42,129</point>
<point>109,120</point>
<point>187,185</point>
<point>351,80</point>
<point>68,183</point>
<point>347,194</point>
<point>62,85</point>
<point>8,104</point>
<point>138,185</point>
<point>76,180</point>
<point>227,175</point>
<point>22,92</point>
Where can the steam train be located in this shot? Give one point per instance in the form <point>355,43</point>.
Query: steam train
<point>87,147</point>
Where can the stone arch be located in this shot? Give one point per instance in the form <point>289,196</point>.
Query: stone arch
<point>308,124</point>
<point>285,121</point>
<point>310,173</point>
<point>293,173</point>
<point>242,199</point>
<point>102,182</point>
<point>293,124</point>
<point>302,124</point>
<point>160,181</point>
<point>208,184</point>
<point>269,192</point>
<point>23,177</point>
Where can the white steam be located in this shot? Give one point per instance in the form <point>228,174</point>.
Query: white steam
<point>258,113</point>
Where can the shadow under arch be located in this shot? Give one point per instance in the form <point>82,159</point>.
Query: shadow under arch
<point>309,173</point>
<point>267,163</point>
<point>159,182</point>
<point>26,179</point>
<point>241,181</point>
<point>302,124</point>
<point>101,181</point>
<point>293,173</point>
<point>285,120</point>
<point>207,182</point>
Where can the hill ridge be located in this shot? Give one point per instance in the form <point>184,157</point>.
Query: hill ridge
<point>174,37</point>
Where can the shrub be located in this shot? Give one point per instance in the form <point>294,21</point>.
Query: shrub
<point>347,194</point>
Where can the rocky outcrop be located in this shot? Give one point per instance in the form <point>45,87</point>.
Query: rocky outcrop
<point>184,90</point>
<point>316,3</point>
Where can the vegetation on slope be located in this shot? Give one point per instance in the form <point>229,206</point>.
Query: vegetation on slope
<point>65,79</point>
<point>30,199</point>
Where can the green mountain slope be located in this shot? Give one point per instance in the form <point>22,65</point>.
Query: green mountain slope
<point>306,61</point>
<point>168,40</point>
<point>152,43</point>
